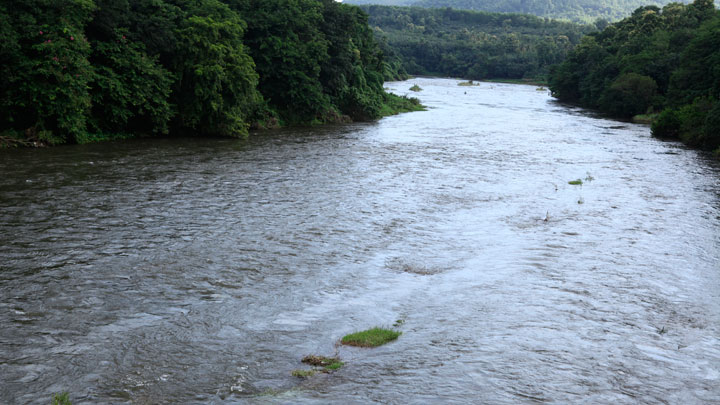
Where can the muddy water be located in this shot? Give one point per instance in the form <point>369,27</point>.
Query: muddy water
<point>201,271</point>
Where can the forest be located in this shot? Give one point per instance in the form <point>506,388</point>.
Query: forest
<point>657,61</point>
<point>77,71</point>
<point>473,45</point>
<point>586,11</point>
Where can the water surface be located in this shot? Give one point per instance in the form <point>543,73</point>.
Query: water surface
<point>201,271</point>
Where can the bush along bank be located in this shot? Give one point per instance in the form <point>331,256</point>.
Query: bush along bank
<point>78,71</point>
<point>655,61</point>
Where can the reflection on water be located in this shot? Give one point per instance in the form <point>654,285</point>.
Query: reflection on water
<point>191,271</point>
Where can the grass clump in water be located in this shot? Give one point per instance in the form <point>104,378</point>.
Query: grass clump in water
<point>415,87</point>
<point>468,83</point>
<point>303,373</point>
<point>577,182</point>
<point>62,398</point>
<point>370,338</point>
<point>327,363</point>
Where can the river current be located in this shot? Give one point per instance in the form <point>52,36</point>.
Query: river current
<point>203,270</point>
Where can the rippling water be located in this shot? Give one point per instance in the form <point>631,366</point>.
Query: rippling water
<point>196,271</point>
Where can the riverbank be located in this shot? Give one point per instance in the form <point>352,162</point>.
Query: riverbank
<point>392,105</point>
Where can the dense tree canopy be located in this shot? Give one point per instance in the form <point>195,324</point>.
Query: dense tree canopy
<point>84,70</point>
<point>655,60</point>
<point>474,45</point>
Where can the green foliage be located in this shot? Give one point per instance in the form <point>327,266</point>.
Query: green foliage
<point>655,60</point>
<point>216,86</point>
<point>284,39</point>
<point>394,104</point>
<point>629,94</point>
<point>667,124</point>
<point>45,91</point>
<point>82,71</point>
<point>370,338</point>
<point>130,90</point>
<point>473,45</point>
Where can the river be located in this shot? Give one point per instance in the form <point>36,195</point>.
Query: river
<point>203,270</point>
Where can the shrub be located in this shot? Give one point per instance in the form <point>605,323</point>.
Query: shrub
<point>667,124</point>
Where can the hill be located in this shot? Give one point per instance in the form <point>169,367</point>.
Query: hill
<point>473,45</point>
<point>572,10</point>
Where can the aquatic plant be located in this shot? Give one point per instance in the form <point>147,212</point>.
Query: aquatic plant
<point>370,338</point>
<point>468,83</point>
<point>303,373</point>
<point>577,182</point>
<point>329,363</point>
<point>415,87</point>
<point>62,398</point>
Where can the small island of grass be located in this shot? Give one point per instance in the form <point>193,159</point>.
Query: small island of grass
<point>303,373</point>
<point>370,338</point>
<point>327,363</point>
<point>577,182</point>
<point>415,87</point>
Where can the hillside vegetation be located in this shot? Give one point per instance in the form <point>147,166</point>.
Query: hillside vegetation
<point>573,10</point>
<point>657,60</point>
<point>76,71</point>
<point>473,45</point>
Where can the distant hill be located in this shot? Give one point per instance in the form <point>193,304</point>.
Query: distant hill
<point>473,45</point>
<point>573,10</point>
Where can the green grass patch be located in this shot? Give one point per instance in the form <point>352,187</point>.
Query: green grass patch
<point>415,87</point>
<point>577,182</point>
<point>645,118</point>
<point>394,104</point>
<point>370,338</point>
<point>327,363</point>
<point>62,398</point>
<point>334,366</point>
<point>303,373</point>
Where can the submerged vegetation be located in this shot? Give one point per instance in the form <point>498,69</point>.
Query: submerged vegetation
<point>370,338</point>
<point>657,60</point>
<point>79,71</point>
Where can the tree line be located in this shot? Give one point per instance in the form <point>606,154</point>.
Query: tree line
<point>664,61</point>
<point>76,71</point>
<point>473,45</point>
<point>586,11</point>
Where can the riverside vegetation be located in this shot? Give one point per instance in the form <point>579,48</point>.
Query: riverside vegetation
<point>662,61</point>
<point>77,71</point>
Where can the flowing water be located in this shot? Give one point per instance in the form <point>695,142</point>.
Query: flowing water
<point>202,271</point>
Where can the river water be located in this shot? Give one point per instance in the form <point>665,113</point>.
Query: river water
<point>202,271</point>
